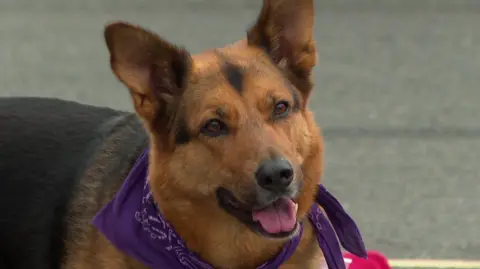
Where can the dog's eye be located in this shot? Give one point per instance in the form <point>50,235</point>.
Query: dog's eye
<point>281,109</point>
<point>214,128</point>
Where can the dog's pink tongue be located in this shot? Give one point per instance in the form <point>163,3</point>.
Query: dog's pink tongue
<point>279,217</point>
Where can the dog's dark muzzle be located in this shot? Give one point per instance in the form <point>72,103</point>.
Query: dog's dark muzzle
<point>271,208</point>
<point>275,175</point>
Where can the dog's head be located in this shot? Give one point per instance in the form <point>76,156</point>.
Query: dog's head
<point>230,126</point>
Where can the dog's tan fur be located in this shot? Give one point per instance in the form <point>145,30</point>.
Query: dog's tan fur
<point>174,92</point>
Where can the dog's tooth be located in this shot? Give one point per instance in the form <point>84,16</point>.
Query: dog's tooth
<point>296,207</point>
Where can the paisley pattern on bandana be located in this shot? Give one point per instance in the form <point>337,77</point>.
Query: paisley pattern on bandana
<point>133,223</point>
<point>161,231</point>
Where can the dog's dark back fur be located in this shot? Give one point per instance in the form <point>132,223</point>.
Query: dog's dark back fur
<point>44,146</point>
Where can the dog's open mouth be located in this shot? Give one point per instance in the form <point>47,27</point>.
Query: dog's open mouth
<point>277,219</point>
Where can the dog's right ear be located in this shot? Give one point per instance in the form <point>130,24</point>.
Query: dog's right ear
<point>154,70</point>
<point>284,29</point>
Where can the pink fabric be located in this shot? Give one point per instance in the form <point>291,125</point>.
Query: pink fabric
<point>375,260</point>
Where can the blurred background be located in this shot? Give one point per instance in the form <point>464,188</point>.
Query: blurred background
<point>397,95</point>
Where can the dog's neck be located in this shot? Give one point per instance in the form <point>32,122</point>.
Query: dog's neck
<point>206,232</point>
<point>201,227</point>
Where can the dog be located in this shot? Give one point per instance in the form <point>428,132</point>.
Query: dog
<point>222,146</point>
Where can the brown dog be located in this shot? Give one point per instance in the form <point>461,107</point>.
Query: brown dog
<point>229,134</point>
<point>228,112</point>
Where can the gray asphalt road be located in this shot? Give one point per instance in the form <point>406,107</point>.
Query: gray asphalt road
<point>397,95</point>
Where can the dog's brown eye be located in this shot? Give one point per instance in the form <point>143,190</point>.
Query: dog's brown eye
<point>281,109</point>
<point>214,128</point>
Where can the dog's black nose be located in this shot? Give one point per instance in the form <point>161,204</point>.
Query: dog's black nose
<point>274,174</point>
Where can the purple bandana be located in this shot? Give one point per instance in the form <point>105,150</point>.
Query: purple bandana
<point>133,224</point>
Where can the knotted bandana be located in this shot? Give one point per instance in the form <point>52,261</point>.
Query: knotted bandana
<point>132,222</point>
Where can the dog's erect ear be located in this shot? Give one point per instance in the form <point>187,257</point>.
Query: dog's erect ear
<point>284,29</point>
<point>154,70</point>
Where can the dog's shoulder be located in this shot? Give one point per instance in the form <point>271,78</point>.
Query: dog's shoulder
<point>121,141</point>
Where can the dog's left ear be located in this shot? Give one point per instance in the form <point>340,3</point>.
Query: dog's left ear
<point>284,29</point>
